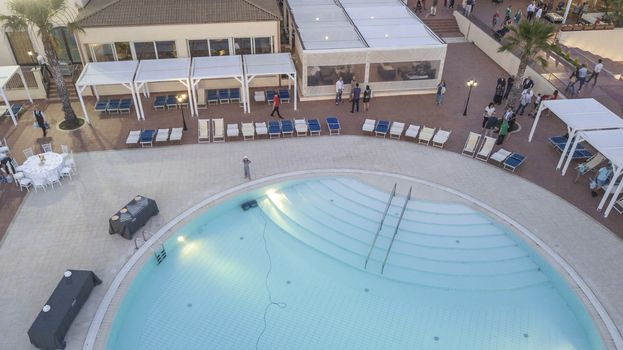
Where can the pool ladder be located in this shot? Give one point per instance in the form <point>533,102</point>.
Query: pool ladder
<point>404,207</point>
<point>376,236</point>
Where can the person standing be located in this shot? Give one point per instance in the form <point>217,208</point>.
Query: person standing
<point>418,6</point>
<point>527,83</point>
<point>353,83</point>
<point>433,8</point>
<point>40,120</point>
<point>276,103</point>
<point>598,67</point>
<point>451,4</point>
<point>489,110</point>
<point>503,132</point>
<point>518,16</point>
<point>539,13</point>
<point>500,87</point>
<point>524,101</point>
<point>494,20</point>
<point>43,64</point>
<point>367,95</point>
<point>509,85</point>
<point>509,117</point>
<point>492,123</point>
<point>582,73</point>
<point>339,88</point>
<point>468,8</point>
<point>508,13</point>
<point>441,91</point>
<point>246,167</point>
<point>355,99</point>
<point>530,11</point>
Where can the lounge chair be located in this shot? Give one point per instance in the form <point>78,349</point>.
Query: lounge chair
<point>160,102</point>
<point>580,151</point>
<point>513,162</point>
<point>125,105</point>
<point>223,96</point>
<point>300,125</point>
<point>234,95</point>
<point>113,106</point>
<point>232,130</point>
<point>500,156</point>
<point>212,97</point>
<point>618,205</point>
<point>556,140</point>
<point>17,109</point>
<point>334,125</point>
<point>287,128</point>
<point>589,165</point>
<point>147,138</point>
<point>261,128</point>
<point>314,127</point>
<point>396,130</point>
<point>441,137</point>
<point>248,131</point>
<point>381,129</point>
<point>162,135</point>
<point>176,135</point>
<point>486,149</point>
<point>171,102</point>
<point>471,144</point>
<point>426,134</point>
<point>259,96</point>
<point>274,129</point>
<point>270,95</point>
<point>218,130</point>
<point>412,131</point>
<point>284,95</point>
<point>204,131</point>
<point>100,106</point>
<point>133,137</point>
<point>369,125</point>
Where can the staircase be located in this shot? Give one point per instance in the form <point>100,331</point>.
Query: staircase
<point>443,27</point>
<point>71,89</point>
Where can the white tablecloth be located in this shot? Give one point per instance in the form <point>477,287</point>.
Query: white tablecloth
<point>42,173</point>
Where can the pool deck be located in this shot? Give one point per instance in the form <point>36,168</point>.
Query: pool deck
<point>67,228</point>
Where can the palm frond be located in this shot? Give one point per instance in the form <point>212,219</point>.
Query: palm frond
<point>13,23</point>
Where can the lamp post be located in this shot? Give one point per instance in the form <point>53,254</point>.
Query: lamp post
<point>32,56</point>
<point>180,100</point>
<point>471,83</point>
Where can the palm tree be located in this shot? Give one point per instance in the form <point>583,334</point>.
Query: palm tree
<point>41,17</point>
<point>530,38</point>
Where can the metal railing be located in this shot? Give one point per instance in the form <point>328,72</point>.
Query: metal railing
<point>404,207</point>
<point>16,81</point>
<point>376,236</point>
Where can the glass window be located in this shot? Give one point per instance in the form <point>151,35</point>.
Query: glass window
<point>328,75</point>
<point>404,71</point>
<point>61,47</point>
<point>242,46</point>
<point>21,45</point>
<point>123,51</point>
<point>263,45</point>
<point>219,47</point>
<point>145,50</point>
<point>103,52</point>
<point>166,49</point>
<point>198,48</point>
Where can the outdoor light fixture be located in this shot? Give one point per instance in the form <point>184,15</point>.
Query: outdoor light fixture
<point>471,84</point>
<point>326,38</point>
<point>180,100</point>
<point>181,239</point>
<point>387,35</point>
<point>32,56</point>
<point>371,17</point>
<point>317,18</point>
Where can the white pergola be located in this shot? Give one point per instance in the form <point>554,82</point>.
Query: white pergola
<point>217,67</point>
<point>107,73</point>
<point>162,70</point>
<point>267,65</point>
<point>6,73</point>
<point>579,115</point>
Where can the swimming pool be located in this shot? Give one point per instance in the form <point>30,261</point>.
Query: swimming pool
<point>290,275</point>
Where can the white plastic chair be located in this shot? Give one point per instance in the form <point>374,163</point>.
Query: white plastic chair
<point>56,179</point>
<point>64,151</point>
<point>28,152</point>
<point>24,183</point>
<point>66,172</point>
<point>47,147</point>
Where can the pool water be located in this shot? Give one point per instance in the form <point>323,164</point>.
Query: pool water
<point>290,274</point>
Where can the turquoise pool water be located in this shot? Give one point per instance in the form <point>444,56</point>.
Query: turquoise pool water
<point>290,275</point>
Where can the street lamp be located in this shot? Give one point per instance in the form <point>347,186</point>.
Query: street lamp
<point>471,83</point>
<point>180,101</point>
<point>32,56</point>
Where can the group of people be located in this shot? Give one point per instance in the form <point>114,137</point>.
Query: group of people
<point>355,94</point>
<point>420,6</point>
<point>491,123</point>
<point>580,75</point>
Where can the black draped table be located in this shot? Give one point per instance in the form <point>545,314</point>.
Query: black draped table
<point>132,217</point>
<point>49,329</point>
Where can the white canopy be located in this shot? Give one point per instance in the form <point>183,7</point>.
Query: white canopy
<point>6,73</point>
<point>107,73</point>
<point>217,67</point>
<point>269,64</point>
<point>161,70</point>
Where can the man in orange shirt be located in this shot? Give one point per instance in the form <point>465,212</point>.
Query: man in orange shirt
<point>276,102</point>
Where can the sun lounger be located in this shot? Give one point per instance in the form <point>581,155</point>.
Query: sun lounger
<point>125,105</point>
<point>369,125</point>
<point>486,149</point>
<point>212,97</point>
<point>334,125</point>
<point>471,144</point>
<point>204,131</point>
<point>500,156</point>
<point>234,95</point>
<point>133,137</point>
<point>147,137</point>
<point>441,137</point>
<point>259,96</point>
<point>16,108</point>
<point>218,130</point>
<point>284,95</point>
<point>381,129</point>
<point>590,165</point>
<point>580,151</point>
<point>300,125</point>
<point>618,205</point>
<point>557,140</point>
<point>261,128</point>
<point>113,106</point>
<point>160,102</point>
<point>171,102</point>
<point>223,96</point>
<point>426,134</point>
<point>287,128</point>
<point>176,135</point>
<point>232,130</point>
<point>396,130</point>
<point>412,131</point>
<point>314,127</point>
<point>162,135</point>
<point>100,106</point>
<point>513,162</point>
<point>248,131</point>
<point>274,129</point>
<point>270,95</point>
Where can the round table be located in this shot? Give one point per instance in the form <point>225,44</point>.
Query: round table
<point>43,172</point>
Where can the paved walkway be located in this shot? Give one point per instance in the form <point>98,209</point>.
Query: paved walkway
<point>68,228</point>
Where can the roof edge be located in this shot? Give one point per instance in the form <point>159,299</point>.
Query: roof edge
<point>252,3</point>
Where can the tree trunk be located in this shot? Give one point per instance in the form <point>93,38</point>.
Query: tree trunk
<point>63,94</point>
<point>513,97</point>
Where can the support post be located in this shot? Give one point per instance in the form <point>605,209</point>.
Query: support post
<point>573,148</point>
<point>79,90</point>
<point>139,105</point>
<point>567,8</point>
<point>617,173</point>
<point>296,91</point>
<point>565,151</point>
<point>8,106</point>
<point>613,201</point>
<point>536,121</point>
<point>135,96</point>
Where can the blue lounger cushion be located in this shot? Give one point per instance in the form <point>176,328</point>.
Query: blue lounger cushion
<point>223,94</point>
<point>514,160</point>
<point>147,135</point>
<point>284,94</point>
<point>126,103</point>
<point>313,124</point>
<point>160,101</point>
<point>113,105</point>
<point>558,140</point>
<point>382,127</point>
<point>234,94</point>
<point>171,100</point>
<point>287,126</point>
<point>212,95</point>
<point>100,106</point>
<point>270,95</point>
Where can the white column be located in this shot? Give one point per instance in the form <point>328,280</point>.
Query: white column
<point>139,105</point>
<point>21,75</point>
<point>613,201</point>
<point>79,90</point>
<point>190,98</point>
<point>578,139</point>
<point>8,106</point>
<point>135,96</point>
<point>97,96</point>
<point>565,151</point>
<point>536,121</point>
<point>296,91</point>
<point>247,81</point>
<point>617,173</point>
<point>242,93</point>
<point>564,17</point>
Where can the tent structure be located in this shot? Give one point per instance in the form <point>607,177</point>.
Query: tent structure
<point>579,115</point>
<point>610,144</point>
<point>267,65</point>
<point>162,70</point>
<point>107,73</point>
<point>217,67</point>
<point>6,73</point>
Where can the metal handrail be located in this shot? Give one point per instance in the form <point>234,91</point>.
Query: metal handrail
<point>376,236</point>
<point>404,207</point>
